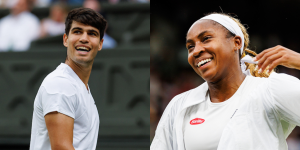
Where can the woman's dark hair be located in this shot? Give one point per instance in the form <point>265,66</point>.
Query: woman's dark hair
<point>86,16</point>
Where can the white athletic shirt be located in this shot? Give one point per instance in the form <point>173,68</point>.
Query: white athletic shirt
<point>213,117</point>
<point>268,112</point>
<point>64,92</point>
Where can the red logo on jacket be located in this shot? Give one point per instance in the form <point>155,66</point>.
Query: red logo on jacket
<point>196,121</point>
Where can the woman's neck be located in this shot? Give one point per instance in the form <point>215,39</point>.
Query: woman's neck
<point>223,89</point>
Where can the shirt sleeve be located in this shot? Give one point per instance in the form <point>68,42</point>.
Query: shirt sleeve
<point>59,95</point>
<point>285,91</point>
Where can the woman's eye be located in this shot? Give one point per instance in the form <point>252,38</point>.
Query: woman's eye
<point>190,46</point>
<point>206,38</point>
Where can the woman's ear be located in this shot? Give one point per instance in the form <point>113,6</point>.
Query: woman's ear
<point>237,42</point>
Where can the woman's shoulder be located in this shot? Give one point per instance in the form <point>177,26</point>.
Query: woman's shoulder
<point>180,100</point>
<point>282,76</point>
<point>276,79</point>
<point>277,85</point>
<point>201,88</point>
<point>178,103</point>
<point>283,83</point>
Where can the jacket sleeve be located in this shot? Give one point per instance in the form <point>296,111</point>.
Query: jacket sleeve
<point>164,134</point>
<point>285,91</point>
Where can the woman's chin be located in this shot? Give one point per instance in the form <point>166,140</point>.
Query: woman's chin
<point>208,76</point>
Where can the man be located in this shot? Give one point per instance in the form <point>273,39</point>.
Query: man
<point>19,28</point>
<point>65,116</point>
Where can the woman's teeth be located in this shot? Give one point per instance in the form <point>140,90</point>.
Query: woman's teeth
<point>203,62</point>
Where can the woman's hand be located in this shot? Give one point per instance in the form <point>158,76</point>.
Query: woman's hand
<point>275,56</point>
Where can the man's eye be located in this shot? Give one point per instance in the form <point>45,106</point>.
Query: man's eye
<point>94,34</point>
<point>76,32</point>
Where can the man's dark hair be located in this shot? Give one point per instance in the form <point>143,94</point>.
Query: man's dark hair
<point>86,16</point>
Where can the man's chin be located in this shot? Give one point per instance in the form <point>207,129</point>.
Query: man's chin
<point>83,61</point>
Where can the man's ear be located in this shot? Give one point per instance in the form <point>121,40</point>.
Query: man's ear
<point>237,43</point>
<point>100,44</point>
<point>65,40</point>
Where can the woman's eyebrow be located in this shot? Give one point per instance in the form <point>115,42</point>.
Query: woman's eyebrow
<point>199,35</point>
<point>188,41</point>
<point>202,33</point>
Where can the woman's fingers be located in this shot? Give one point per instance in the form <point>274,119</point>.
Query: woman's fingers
<point>275,56</point>
<point>266,58</point>
<point>260,55</point>
<point>275,63</point>
<point>270,61</point>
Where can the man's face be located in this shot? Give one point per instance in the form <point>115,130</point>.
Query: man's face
<point>83,43</point>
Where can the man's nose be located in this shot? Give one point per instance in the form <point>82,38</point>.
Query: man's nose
<point>84,38</point>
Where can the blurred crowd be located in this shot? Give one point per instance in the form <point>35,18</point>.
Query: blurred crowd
<point>171,74</point>
<point>21,27</point>
<point>46,3</point>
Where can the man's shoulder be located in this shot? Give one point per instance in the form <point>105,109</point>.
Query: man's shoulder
<point>59,81</point>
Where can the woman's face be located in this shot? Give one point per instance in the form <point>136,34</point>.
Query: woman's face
<point>210,53</point>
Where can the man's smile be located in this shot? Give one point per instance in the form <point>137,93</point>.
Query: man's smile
<point>82,48</point>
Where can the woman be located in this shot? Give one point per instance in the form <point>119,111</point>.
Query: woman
<point>240,106</point>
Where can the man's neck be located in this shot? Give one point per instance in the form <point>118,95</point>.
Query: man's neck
<point>83,71</point>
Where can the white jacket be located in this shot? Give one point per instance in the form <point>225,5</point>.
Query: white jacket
<point>267,115</point>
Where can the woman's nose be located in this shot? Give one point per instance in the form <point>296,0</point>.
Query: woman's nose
<point>198,50</point>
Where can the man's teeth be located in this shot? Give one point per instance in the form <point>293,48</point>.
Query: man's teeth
<point>203,62</point>
<point>83,48</point>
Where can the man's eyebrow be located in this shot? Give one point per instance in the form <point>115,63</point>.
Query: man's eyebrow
<point>93,31</point>
<point>90,30</point>
<point>199,35</point>
<point>76,28</point>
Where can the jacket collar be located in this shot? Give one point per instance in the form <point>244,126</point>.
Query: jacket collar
<point>196,96</point>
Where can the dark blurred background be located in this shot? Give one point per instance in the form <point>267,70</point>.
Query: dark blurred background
<point>269,22</point>
<point>31,47</point>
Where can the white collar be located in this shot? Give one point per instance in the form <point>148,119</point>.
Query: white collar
<point>196,96</point>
